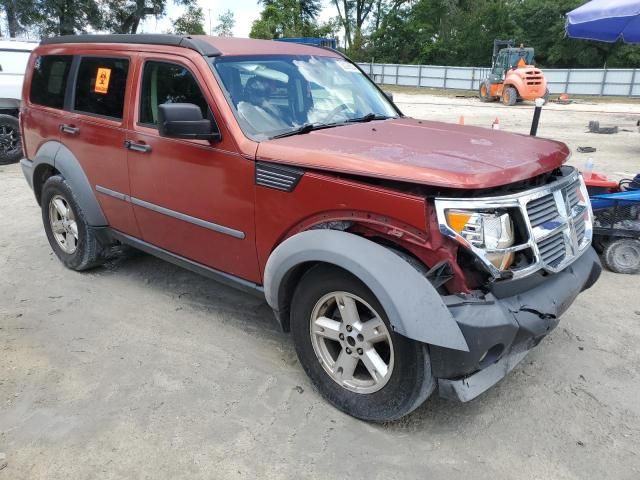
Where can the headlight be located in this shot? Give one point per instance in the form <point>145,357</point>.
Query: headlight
<point>490,232</point>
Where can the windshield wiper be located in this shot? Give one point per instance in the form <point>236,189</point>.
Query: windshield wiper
<point>368,117</point>
<point>305,128</point>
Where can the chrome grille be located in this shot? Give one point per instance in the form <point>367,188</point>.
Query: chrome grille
<point>558,224</point>
<point>553,249</point>
<point>541,210</point>
<point>581,229</point>
<point>572,195</point>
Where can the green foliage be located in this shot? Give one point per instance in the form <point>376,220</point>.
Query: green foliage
<point>290,18</point>
<point>446,32</point>
<point>124,16</point>
<point>190,22</point>
<point>226,22</point>
<point>461,32</point>
<point>66,17</point>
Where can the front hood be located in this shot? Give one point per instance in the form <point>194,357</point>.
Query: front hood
<point>420,151</point>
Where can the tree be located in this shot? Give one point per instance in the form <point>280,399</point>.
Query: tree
<point>66,17</point>
<point>226,22</point>
<point>190,23</point>
<point>352,15</point>
<point>291,18</point>
<point>124,16</point>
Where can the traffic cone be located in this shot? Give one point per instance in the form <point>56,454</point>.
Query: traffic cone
<point>461,120</point>
<point>496,124</point>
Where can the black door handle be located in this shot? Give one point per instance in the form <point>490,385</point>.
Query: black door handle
<point>71,130</point>
<point>137,147</point>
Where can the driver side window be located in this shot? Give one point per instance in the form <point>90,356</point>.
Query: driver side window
<point>164,82</point>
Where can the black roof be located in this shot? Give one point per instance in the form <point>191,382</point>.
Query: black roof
<point>185,41</point>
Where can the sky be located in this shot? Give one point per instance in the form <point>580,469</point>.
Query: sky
<point>245,11</point>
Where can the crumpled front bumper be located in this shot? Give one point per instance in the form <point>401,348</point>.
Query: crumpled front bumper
<point>501,327</point>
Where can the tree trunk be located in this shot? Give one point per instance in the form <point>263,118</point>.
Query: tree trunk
<point>12,20</point>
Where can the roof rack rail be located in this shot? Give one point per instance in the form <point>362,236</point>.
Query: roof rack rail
<point>185,41</point>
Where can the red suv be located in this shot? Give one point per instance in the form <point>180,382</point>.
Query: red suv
<point>402,254</point>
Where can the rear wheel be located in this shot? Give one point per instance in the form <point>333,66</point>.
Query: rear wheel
<point>70,236</point>
<point>623,255</point>
<point>347,347</point>
<point>10,146</point>
<point>509,96</point>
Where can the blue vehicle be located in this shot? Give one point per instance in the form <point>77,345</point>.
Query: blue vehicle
<point>616,229</point>
<point>318,42</point>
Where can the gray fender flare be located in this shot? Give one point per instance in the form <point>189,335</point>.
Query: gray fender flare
<point>62,159</point>
<point>414,307</point>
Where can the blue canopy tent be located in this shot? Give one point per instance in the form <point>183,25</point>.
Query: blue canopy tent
<point>605,21</point>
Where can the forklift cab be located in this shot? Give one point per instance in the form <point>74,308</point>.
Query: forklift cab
<point>508,58</point>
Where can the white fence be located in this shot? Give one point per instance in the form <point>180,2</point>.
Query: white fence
<point>613,81</point>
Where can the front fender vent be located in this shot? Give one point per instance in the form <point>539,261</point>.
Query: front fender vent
<point>277,176</point>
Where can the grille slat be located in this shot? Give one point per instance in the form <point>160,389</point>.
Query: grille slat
<point>542,210</point>
<point>553,249</point>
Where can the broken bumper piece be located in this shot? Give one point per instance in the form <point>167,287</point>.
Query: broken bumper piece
<point>503,326</point>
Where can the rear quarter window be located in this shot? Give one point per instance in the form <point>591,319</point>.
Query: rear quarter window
<point>100,86</point>
<point>49,80</point>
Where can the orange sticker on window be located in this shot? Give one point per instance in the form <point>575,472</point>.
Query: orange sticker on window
<point>102,80</point>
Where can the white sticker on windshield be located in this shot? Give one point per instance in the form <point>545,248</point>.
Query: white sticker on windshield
<point>346,66</point>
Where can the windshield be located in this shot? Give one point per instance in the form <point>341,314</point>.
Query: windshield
<point>275,95</point>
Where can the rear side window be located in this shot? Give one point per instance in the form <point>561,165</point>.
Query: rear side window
<point>100,86</point>
<point>168,83</point>
<point>50,73</point>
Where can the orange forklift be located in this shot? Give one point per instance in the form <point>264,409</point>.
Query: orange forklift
<point>513,75</point>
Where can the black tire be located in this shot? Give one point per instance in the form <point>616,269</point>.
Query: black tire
<point>509,96</point>
<point>10,146</point>
<point>599,243</point>
<point>484,92</point>
<point>545,97</point>
<point>410,382</point>
<point>623,255</point>
<point>88,251</point>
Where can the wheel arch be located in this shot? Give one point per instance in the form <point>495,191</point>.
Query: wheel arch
<point>415,309</point>
<point>53,158</point>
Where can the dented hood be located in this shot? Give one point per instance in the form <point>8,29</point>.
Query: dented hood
<point>420,151</point>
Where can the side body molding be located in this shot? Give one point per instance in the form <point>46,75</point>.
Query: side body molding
<point>62,159</point>
<point>414,307</point>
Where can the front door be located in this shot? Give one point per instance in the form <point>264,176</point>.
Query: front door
<point>190,197</point>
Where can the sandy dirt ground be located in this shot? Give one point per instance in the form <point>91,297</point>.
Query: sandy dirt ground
<point>142,370</point>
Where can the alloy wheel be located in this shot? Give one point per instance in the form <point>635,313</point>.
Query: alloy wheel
<point>352,342</point>
<point>63,224</point>
<point>9,140</point>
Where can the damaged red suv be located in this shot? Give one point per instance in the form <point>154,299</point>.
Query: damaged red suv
<point>402,254</point>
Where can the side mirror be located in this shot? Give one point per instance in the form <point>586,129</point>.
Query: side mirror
<point>184,120</point>
<point>389,95</point>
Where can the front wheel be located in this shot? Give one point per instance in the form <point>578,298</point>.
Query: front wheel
<point>347,347</point>
<point>485,92</point>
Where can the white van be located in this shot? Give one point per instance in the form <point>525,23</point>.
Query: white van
<point>13,63</point>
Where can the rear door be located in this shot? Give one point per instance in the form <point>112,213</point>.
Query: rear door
<point>190,197</point>
<point>43,100</point>
<point>94,130</point>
